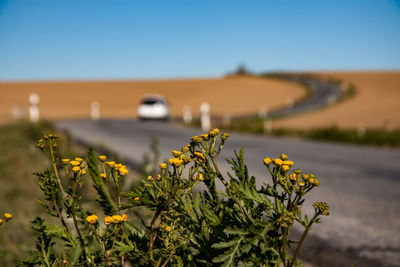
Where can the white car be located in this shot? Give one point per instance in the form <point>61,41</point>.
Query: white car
<point>153,107</point>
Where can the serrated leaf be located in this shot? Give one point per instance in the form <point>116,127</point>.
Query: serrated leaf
<point>235,231</point>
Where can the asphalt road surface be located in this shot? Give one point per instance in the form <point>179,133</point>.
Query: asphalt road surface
<point>322,93</point>
<point>360,184</point>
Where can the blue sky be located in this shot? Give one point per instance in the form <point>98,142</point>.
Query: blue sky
<point>128,39</point>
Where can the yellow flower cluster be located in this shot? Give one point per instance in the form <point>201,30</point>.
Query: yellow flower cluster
<point>281,162</point>
<point>77,165</point>
<point>115,219</point>
<point>117,167</point>
<point>7,216</point>
<point>102,158</point>
<point>310,178</point>
<point>92,219</point>
<point>214,132</point>
<point>322,207</point>
<point>176,153</point>
<point>175,162</point>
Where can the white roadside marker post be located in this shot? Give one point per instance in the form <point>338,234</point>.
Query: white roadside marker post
<point>187,114</point>
<point>205,116</point>
<point>226,120</point>
<point>95,110</point>
<point>34,107</point>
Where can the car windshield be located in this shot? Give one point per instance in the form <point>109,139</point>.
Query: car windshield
<point>152,101</point>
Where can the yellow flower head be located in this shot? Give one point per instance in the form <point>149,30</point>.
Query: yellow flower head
<point>117,218</point>
<point>313,181</point>
<point>1,221</point>
<point>176,153</point>
<point>322,208</point>
<point>205,137</point>
<point>92,219</point>
<point>224,136</point>
<point>123,171</point>
<point>285,168</point>
<point>82,165</point>
<point>117,166</point>
<point>168,228</point>
<point>163,166</point>
<point>200,156</point>
<point>283,157</point>
<point>175,162</point>
<point>297,171</point>
<point>65,161</point>
<point>288,162</point>
<point>214,132</point>
<point>110,163</point>
<point>7,216</point>
<point>78,159</point>
<point>108,220</point>
<point>267,161</point>
<point>150,178</point>
<point>293,177</point>
<point>200,177</point>
<point>102,158</point>
<point>196,139</point>
<point>158,177</point>
<point>103,175</point>
<point>301,184</point>
<point>185,148</point>
<point>305,177</point>
<point>74,163</point>
<point>83,172</point>
<point>124,217</point>
<point>277,162</point>
<point>76,169</point>
<point>136,198</point>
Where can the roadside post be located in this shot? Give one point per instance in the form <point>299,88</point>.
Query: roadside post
<point>226,119</point>
<point>95,110</point>
<point>267,122</point>
<point>187,114</point>
<point>205,116</point>
<point>33,107</point>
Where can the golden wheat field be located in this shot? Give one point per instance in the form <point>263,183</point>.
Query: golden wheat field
<point>375,105</point>
<point>119,99</point>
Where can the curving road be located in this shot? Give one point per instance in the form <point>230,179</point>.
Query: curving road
<point>361,184</point>
<point>322,93</point>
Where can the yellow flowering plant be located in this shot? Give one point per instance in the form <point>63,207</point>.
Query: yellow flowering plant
<point>228,222</point>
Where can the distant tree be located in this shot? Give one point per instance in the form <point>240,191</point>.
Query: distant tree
<point>241,70</point>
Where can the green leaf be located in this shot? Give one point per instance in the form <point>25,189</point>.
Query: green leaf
<point>105,200</point>
<point>235,231</point>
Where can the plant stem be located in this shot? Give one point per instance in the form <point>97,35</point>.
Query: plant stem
<point>294,259</point>
<point>53,163</point>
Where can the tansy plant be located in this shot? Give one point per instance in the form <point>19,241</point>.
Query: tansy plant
<point>240,224</point>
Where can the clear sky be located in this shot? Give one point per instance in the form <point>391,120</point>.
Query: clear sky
<point>128,39</point>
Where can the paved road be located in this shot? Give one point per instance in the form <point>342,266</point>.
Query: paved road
<point>323,93</point>
<point>361,184</point>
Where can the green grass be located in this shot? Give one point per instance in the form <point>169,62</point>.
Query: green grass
<point>19,191</point>
<point>18,188</point>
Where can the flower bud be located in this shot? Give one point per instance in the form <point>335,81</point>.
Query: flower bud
<point>214,132</point>
<point>163,166</point>
<point>267,161</point>
<point>205,137</point>
<point>176,153</point>
<point>224,136</point>
<point>283,157</point>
